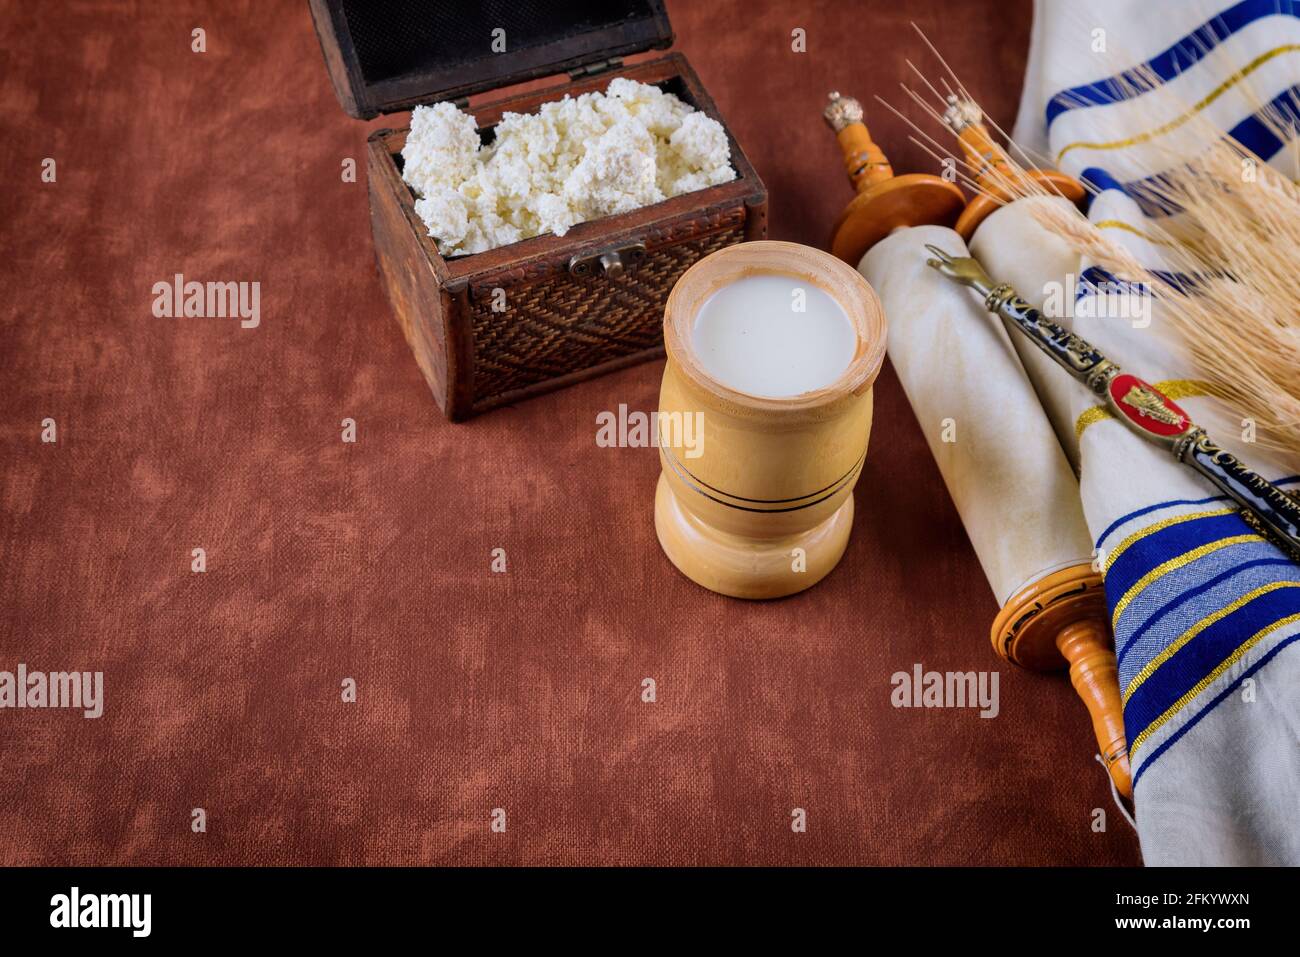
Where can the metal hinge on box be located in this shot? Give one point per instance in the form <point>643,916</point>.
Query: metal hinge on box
<point>594,69</point>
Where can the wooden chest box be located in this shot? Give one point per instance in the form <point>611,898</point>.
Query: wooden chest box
<point>492,328</point>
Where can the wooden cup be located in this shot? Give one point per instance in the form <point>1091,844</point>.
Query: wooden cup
<point>763,506</point>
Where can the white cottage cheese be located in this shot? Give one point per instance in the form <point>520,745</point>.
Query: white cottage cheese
<point>575,159</point>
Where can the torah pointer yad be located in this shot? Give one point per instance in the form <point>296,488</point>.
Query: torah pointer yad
<point>1138,404</point>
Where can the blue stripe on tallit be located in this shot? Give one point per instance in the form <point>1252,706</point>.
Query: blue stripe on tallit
<point>1178,614</point>
<point>1160,604</point>
<point>1169,742</point>
<point>1148,509</point>
<point>1189,50</point>
<point>1255,132</point>
<point>1160,546</point>
<point>1096,179</point>
<point>1259,135</point>
<point>1191,663</point>
<point>1182,598</point>
<point>1092,279</point>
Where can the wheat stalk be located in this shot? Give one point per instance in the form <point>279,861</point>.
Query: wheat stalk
<point>1237,236</point>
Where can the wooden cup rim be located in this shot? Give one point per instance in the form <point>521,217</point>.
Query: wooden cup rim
<point>836,278</point>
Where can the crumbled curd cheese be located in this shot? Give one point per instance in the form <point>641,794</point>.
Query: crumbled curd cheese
<point>575,159</point>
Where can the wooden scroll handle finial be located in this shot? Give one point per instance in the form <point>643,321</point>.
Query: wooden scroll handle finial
<point>984,156</point>
<point>1062,620</point>
<point>864,161</point>
<point>1095,676</point>
<point>998,178</point>
<point>885,202</point>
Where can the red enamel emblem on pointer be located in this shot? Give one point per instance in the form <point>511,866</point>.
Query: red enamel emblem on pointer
<point>1147,407</point>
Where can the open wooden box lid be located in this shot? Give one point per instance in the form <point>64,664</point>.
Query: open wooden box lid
<point>393,55</point>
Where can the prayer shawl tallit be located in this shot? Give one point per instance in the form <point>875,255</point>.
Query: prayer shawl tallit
<point>1206,612</point>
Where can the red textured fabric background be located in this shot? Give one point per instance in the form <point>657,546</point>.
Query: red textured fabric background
<point>371,561</point>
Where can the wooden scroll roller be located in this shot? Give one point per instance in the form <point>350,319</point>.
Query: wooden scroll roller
<point>1009,477</point>
<point>1061,617</point>
<point>885,202</point>
<point>1062,620</point>
<point>993,172</point>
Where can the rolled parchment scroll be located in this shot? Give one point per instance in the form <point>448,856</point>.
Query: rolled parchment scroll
<point>1011,243</point>
<point>1005,469</point>
<point>996,450</point>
